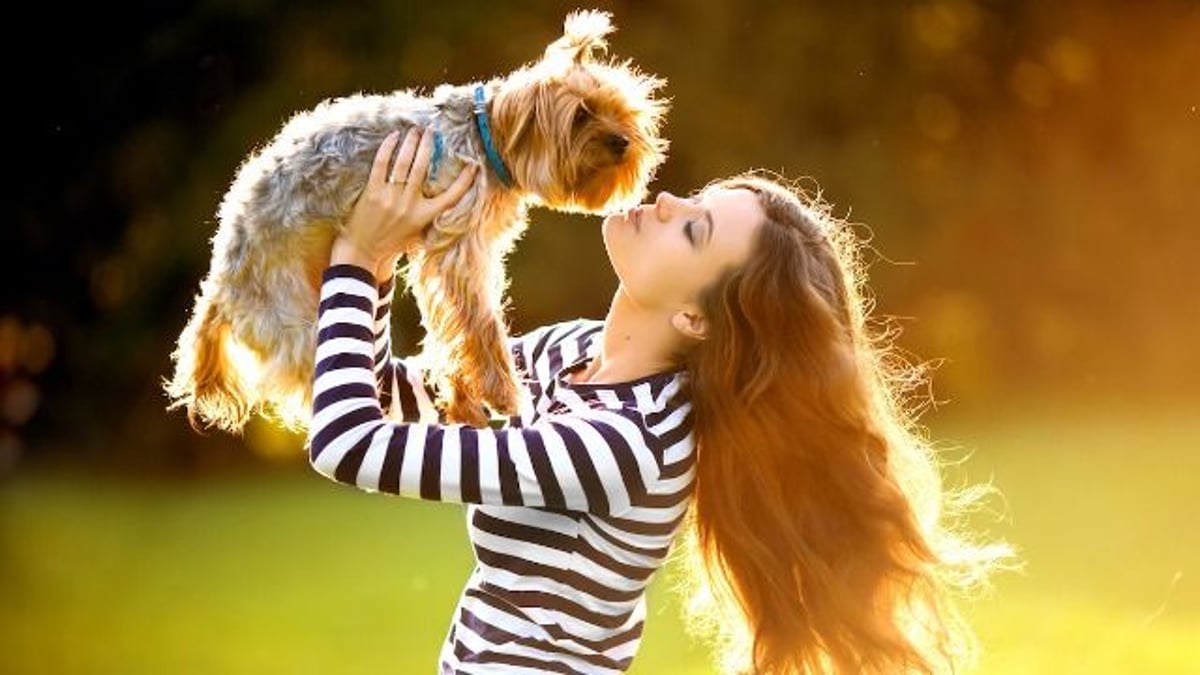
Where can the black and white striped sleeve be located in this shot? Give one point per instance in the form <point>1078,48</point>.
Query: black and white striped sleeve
<point>600,462</point>
<point>403,390</point>
<point>384,365</point>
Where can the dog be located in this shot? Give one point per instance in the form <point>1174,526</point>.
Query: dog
<point>575,131</point>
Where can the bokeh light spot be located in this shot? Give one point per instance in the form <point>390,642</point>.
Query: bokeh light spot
<point>1031,84</point>
<point>938,117</point>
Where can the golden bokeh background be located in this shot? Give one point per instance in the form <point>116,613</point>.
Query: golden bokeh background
<point>1028,175</point>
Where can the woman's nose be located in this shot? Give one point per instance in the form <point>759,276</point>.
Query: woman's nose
<point>664,202</point>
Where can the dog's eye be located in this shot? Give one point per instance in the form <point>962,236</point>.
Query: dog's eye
<point>581,115</point>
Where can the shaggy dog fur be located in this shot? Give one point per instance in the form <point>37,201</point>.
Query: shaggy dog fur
<point>576,133</point>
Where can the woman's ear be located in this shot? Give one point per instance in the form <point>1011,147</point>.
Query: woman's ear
<point>690,323</point>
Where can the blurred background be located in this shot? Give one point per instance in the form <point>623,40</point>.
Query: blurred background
<point>1028,174</point>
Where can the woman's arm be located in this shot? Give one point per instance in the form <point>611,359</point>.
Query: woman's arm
<point>399,382</point>
<point>600,462</point>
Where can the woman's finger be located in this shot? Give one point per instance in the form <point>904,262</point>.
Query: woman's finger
<point>405,156</point>
<point>457,189</point>
<point>379,168</point>
<point>420,165</point>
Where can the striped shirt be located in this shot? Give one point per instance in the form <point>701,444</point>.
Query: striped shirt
<point>572,505</point>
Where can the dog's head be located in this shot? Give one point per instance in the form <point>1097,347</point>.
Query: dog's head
<point>580,132</point>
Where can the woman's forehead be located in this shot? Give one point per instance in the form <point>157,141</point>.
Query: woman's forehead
<point>736,215</point>
<point>735,203</point>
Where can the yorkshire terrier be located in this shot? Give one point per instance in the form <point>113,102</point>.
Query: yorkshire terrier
<point>574,131</point>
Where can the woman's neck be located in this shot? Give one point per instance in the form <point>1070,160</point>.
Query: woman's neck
<point>637,342</point>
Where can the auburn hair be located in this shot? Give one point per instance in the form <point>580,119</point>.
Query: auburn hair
<point>820,538</point>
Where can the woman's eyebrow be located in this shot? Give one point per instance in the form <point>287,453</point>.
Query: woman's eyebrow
<point>707,216</point>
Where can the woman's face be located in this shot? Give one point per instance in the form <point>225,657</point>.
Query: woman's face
<point>667,252</point>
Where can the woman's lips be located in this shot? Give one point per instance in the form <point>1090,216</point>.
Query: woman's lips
<point>634,216</point>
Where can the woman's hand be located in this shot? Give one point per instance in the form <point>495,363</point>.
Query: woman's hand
<point>391,213</point>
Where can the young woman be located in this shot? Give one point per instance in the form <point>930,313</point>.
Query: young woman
<point>733,394</point>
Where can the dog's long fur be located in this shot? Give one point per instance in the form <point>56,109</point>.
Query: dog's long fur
<point>577,134</point>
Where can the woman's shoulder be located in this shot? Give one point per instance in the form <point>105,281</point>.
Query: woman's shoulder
<point>540,339</point>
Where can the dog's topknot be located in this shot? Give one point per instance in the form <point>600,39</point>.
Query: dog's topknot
<point>583,35</point>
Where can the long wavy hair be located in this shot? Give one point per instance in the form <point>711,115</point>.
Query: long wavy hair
<point>821,537</point>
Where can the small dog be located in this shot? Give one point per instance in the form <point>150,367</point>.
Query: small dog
<point>571,132</point>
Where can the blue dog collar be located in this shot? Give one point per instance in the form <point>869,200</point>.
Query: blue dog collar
<point>435,162</point>
<point>485,133</point>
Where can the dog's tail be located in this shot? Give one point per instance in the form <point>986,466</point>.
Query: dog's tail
<point>209,380</point>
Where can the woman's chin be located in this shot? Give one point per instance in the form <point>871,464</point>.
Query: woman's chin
<point>609,226</point>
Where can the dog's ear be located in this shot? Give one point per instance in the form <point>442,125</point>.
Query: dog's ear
<point>519,115</point>
<point>583,36</point>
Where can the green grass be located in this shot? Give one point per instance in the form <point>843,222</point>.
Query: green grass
<point>288,573</point>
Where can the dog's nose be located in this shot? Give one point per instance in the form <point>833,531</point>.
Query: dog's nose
<point>617,143</point>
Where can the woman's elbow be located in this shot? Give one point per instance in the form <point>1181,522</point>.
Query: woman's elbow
<point>316,447</point>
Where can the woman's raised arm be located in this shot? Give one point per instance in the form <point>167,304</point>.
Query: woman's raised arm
<point>602,462</point>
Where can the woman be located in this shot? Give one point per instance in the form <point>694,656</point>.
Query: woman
<point>731,394</point>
